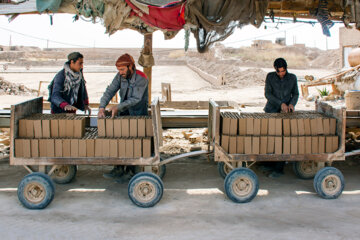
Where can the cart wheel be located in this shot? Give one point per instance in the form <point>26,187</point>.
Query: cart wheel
<point>36,190</point>
<point>64,174</point>
<point>305,169</point>
<point>145,189</point>
<point>223,169</point>
<point>329,183</point>
<point>241,185</point>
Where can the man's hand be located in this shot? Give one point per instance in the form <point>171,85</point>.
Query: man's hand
<point>101,113</point>
<point>70,108</point>
<point>87,109</point>
<point>114,111</point>
<point>291,108</point>
<point>284,108</point>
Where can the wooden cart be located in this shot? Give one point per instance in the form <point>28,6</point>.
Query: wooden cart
<point>241,183</point>
<point>36,190</point>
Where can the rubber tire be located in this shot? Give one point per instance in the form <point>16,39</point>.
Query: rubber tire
<point>299,173</point>
<point>148,177</point>
<point>41,179</point>
<point>233,176</point>
<point>222,172</point>
<point>319,178</point>
<point>67,178</point>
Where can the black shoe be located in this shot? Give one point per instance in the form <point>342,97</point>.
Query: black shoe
<point>115,173</point>
<point>124,178</point>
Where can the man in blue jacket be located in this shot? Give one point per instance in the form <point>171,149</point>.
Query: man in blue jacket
<point>132,85</point>
<point>281,91</point>
<point>67,91</point>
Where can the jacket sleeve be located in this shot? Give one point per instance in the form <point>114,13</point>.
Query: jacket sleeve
<point>110,92</point>
<point>137,94</point>
<point>294,93</point>
<point>58,88</point>
<point>269,93</point>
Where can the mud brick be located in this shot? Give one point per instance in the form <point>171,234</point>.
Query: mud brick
<point>278,145</point>
<point>133,127</point>
<point>301,145</point>
<point>286,145</point>
<point>90,147</point>
<point>29,128</point>
<point>286,127</point>
<point>109,123</point>
<point>233,126</point>
<point>314,144</point>
<point>34,148</point>
<point>82,147</point>
<point>26,148</point>
<point>66,148</point>
<point>232,144</point>
<point>294,144</point>
<point>149,127</point>
<point>278,127</point>
<point>314,128</point>
<point>240,144</point>
<point>263,145</point>
<point>74,148</point>
<point>98,147</point>
<point>42,148</point>
<point>301,127</point>
<point>69,128</point>
<point>321,144</point>
<point>247,145</point>
<point>272,127</point>
<point>37,129</point>
<point>320,126</point>
<point>137,148</point>
<point>105,147</point>
<point>326,125</point>
<point>270,144</point>
<point>242,126</point>
<point>257,126</point>
<point>307,127</point>
<point>328,144</point>
<point>22,128</point>
<point>141,127</point>
<point>58,147</point>
<point>45,124</point>
<point>225,142</point>
<point>117,127</point>
<point>129,148</point>
<point>125,127</point>
<point>255,145</point>
<point>50,147</point>
<point>113,148</point>
<point>264,126</point>
<point>146,144</point>
<point>335,143</point>
<point>308,145</point>
<point>54,128</point>
<point>62,128</point>
<point>332,126</point>
<point>121,148</point>
<point>249,126</point>
<point>19,148</point>
<point>294,127</point>
<point>101,123</point>
<point>226,125</point>
<point>79,127</point>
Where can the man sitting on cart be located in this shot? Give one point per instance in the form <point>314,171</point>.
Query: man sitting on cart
<point>132,85</point>
<point>282,94</point>
<point>67,91</point>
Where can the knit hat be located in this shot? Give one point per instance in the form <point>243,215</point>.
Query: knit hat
<point>125,60</point>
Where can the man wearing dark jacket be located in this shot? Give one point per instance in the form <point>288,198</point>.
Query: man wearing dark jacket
<point>132,85</point>
<point>67,91</point>
<point>281,91</point>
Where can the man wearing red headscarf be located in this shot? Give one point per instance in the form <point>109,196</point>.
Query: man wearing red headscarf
<point>132,85</point>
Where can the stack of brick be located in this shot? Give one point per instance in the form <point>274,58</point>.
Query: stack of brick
<point>61,135</point>
<point>278,133</point>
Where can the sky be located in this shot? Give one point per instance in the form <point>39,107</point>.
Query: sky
<point>36,30</point>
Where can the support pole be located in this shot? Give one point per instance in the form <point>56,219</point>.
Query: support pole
<point>148,51</point>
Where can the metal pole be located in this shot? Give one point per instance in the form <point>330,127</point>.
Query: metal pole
<point>148,51</point>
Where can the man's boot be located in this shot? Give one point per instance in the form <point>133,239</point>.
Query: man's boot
<point>115,173</point>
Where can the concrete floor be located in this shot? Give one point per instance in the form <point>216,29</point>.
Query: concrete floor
<point>193,206</point>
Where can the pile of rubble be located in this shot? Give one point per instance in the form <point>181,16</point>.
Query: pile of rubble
<point>8,88</point>
<point>4,142</point>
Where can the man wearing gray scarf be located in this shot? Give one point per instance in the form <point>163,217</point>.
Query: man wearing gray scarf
<point>67,91</point>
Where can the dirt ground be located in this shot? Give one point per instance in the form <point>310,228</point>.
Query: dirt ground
<point>194,206</point>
